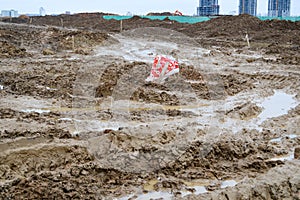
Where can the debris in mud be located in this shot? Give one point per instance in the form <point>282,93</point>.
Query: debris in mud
<point>48,52</point>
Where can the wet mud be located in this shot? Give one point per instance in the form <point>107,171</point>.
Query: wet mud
<point>79,120</point>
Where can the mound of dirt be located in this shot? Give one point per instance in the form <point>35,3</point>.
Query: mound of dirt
<point>228,25</point>
<point>8,50</point>
<point>208,161</point>
<point>38,83</point>
<point>16,39</point>
<point>160,14</point>
<point>70,40</point>
<point>152,96</point>
<point>118,72</point>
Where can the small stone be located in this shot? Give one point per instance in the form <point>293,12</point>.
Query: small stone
<point>84,172</point>
<point>48,52</point>
<point>297,153</point>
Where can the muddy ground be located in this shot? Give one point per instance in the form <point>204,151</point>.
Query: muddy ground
<point>78,120</point>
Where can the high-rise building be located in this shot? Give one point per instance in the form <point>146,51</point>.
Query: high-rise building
<point>279,8</point>
<point>208,7</point>
<point>9,13</point>
<point>248,7</point>
<point>42,11</point>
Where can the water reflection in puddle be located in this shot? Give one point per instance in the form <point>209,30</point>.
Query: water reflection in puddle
<point>278,104</point>
<point>288,157</point>
<point>197,190</point>
<point>228,183</point>
<point>40,111</point>
<point>165,195</point>
<point>273,106</point>
<point>291,136</point>
<point>192,188</point>
<point>149,195</point>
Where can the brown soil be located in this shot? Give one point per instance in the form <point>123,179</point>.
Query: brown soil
<point>274,36</point>
<point>79,121</point>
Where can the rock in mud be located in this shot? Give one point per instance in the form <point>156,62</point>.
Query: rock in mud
<point>297,153</point>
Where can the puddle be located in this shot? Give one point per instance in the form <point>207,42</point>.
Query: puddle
<point>291,136</point>
<point>164,195</point>
<point>136,50</point>
<point>65,119</point>
<point>273,106</point>
<point>288,157</point>
<point>197,190</point>
<point>145,50</point>
<point>278,104</point>
<point>133,106</point>
<point>40,111</point>
<point>228,183</point>
<point>149,195</point>
<point>96,125</point>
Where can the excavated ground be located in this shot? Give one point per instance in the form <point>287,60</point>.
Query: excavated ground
<point>78,120</point>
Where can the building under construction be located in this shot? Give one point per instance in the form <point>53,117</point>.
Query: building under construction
<point>208,8</point>
<point>248,7</point>
<point>279,8</point>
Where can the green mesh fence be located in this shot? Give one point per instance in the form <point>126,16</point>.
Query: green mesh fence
<point>293,19</point>
<point>181,19</point>
<point>190,19</point>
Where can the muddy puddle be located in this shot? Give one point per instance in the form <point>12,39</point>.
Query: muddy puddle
<point>288,157</point>
<point>195,187</point>
<point>280,103</point>
<point>205,113</point>
<point>40,111</point>
<point>276,105</point>
<point>279,139</point>
<point>145,50</point>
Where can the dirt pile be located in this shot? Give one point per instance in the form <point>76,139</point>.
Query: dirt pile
<point>55,172</point>
<point>8,50</point>
<point>16,40</point>
<point>274,36</point>
<point>160,14</point>
<point>202,159</point>
<point>231,25</point>
<point>70,40</point>
<point>37,83</point>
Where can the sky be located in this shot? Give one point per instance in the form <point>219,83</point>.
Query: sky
<point>137,7</point>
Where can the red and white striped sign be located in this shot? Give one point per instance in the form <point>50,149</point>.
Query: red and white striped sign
<point>162,68</point>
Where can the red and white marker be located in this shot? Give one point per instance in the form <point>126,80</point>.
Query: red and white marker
<point>162,68</point>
